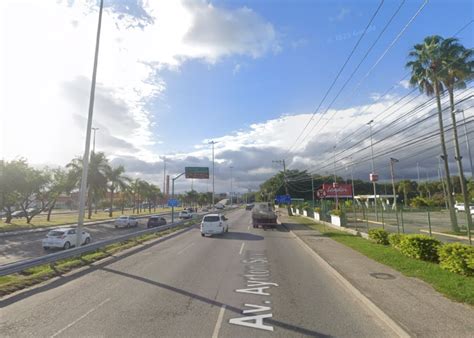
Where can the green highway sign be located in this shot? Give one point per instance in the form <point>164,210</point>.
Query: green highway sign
<point>196,172</point>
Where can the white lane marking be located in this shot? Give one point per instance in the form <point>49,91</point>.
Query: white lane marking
<point>220,317</point>
<point>248,228</point>
<point>80,318</point>
<point>185,248</point>
<point>241,248</point>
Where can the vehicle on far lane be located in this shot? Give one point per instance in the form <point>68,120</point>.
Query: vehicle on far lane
<point>155,221</point>
<point>213,224</point>
<point>219,206</point>
<point>64,238</point>
<point>126,222</point>
<point>249,206</point>
<point>185,215</point>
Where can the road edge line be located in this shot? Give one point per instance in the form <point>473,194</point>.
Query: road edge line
<point>220,319</point>
<point>395,327</point>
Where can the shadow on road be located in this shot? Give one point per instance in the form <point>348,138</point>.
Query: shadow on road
<point>240,236</point>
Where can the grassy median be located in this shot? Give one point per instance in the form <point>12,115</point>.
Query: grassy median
<point>454,286</point>
<point>29,277</point>
<point>39,221</point>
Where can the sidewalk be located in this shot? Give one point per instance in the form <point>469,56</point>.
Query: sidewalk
<point>410,302</point>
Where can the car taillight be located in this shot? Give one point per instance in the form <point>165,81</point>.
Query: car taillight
<point>220,224</point>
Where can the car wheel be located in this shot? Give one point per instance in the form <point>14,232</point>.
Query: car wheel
<point>46,248</point>
<point>116,227</point>
<point>67,245</point>
<point>203,235</point>
<point>87,241</point>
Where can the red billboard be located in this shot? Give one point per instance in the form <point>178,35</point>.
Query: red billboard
<point>343,190</point>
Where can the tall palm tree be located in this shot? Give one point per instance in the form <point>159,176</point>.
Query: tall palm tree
<point>116,180</point>
<point>405,187</point>
<point>426,73</point>
<point>96,178</point>
<point>458,65</point>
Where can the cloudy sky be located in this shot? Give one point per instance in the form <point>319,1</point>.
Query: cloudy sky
<point>251,75</point>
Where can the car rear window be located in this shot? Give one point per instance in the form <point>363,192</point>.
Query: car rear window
<point>55,233</point>
<point>154,218</point>
<point>123,217</point>
<point>211,219</point>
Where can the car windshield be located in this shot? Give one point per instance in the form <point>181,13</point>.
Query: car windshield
<point>211,219</point>
<point>55,233</point>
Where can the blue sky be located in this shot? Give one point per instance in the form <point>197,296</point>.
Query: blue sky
<point>206,101</point>
<point>249,74</point>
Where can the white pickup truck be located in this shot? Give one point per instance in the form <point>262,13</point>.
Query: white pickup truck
<point>460,207</point>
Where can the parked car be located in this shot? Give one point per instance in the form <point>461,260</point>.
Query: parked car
<point>214,224</point>
<point>155,221</point>
<point>219,206</point>
<point>185,215</point>
<point>64,238</point>
<point>205,209</point>
<point>460,207</point>
<point>249,206</point>
<point>126,222</point>
<point>18,214</point>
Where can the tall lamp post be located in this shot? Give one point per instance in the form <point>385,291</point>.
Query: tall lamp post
<point>93,139</point>
<point>213,169</point>
<point>85,159</point>
<point>231,197</point>
<point>373,176</point>
<point>467,141</point>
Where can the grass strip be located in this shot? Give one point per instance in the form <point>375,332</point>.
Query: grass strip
<point>456,287</point>
<point>38,274</point>
<point>39,221</point>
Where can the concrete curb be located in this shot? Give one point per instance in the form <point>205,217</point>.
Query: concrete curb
<point>348,230</point>
<point>389,322</point>
<point>465,238</point>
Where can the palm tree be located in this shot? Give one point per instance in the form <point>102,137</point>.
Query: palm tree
<point>96,178</point>
<point>458,65</point>
<point>426,74</point>
<point>116,180</point>
<point>405,187</point>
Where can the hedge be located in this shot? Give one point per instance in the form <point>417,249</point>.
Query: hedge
<point>421,247</point>
<point>457,257</point>
<point>379,236</point>
<point>395,239</point>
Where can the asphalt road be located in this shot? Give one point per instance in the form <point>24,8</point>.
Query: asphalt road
<point>245,283</point>
<point>18,247</point>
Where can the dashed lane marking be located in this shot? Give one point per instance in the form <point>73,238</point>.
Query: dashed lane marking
<point>215,334</point>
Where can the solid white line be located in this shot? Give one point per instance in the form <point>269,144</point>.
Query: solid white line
<point>241,248</point>
<point>215,334</point>
<point>80,318</point>
<point>185,248</point>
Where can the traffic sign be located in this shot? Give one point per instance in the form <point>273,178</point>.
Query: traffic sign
<point>283,199</point>
<point>173,202</point>
<point>196,172</point>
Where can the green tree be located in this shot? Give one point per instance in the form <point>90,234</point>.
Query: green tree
<point>426,67</point>
<point>116,180</point>
<point>405,187</point>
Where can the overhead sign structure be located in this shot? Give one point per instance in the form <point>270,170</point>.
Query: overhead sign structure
<point>341,190</point>
<point>173,202</point>
<point>283,199</point>
<point>196,172</point>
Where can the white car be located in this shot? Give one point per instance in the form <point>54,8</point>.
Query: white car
<point>126,222</point>
<point>64,238</point>
<point>459,206</point>
<point>212,224</point>
<point>185,214</point>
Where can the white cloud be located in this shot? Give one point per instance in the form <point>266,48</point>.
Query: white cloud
<point>236,68</point>
<point>46,65</point>
<point>341,15</point>
<point>405,84</point>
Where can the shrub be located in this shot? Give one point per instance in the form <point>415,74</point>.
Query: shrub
<point>395,239</point>
<point>318,210</point>
<point>420,246</point>
<point>337,212</point>
<point>457,257</point>
<point>379,236</point>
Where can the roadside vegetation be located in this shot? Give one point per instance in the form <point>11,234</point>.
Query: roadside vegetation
<point>29,277</point>
<point>453,277</point>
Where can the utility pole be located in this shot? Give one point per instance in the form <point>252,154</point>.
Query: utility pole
<point>231,186</point>
<point>441,178</point>
<point>352,180</point>
<point>392,173</point>
<point>213,170</point>
<point>85,159</point>
<point>93,140</point>
<point>373,171</point>
<point>164,175</point>
<point>335,179</point>
<point>172,195</point>
<point>467,141</point>
<point>418,178</point>
<point>464,191</point>
<point>312,189</point>
<point>285,182</point>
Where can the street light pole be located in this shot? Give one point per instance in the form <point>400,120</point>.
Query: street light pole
<point>85,159</point>
<point>373,171</point>
<point>335,179</point>
<point>93,140</point>
<point>285,182</point>
<point>231,186</point>
<point>213,168</point>
<point>172,195</point>
<point>467,141</point>
<point>392,173</point>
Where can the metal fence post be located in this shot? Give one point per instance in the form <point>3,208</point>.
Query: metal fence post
<point>383,225</point>
<point>429,221</point>
<point>401,216</point>
<point>398,223</point>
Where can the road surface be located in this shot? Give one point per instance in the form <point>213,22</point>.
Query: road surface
<point>246,283</point>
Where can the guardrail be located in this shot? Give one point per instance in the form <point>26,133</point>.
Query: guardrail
<point>22,265</point>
